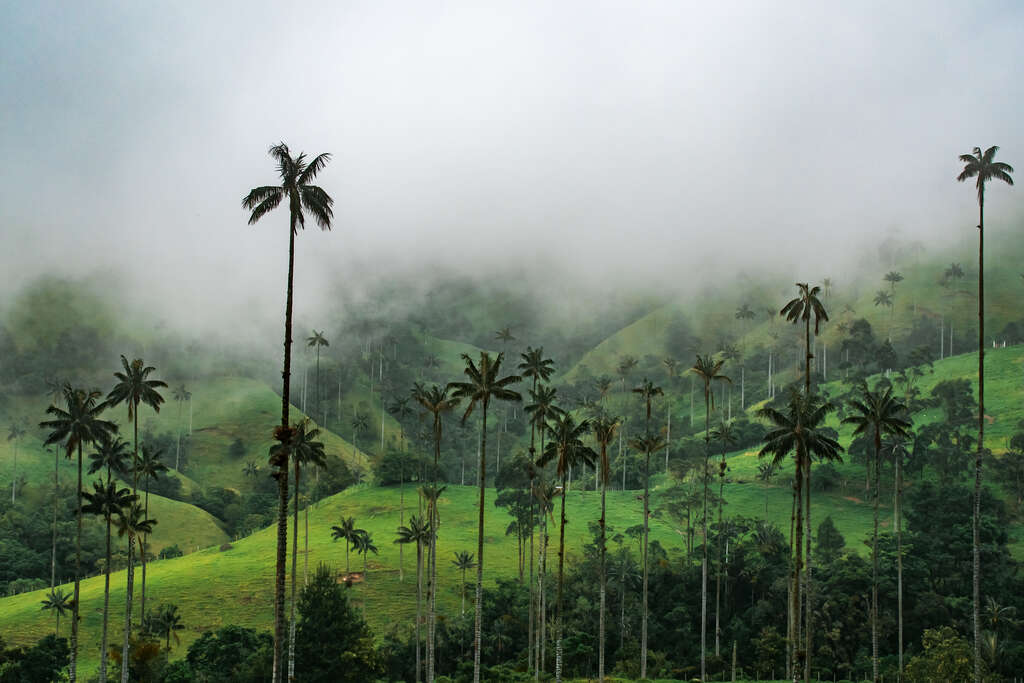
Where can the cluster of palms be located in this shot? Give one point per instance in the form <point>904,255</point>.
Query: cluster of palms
<point>79,424</point>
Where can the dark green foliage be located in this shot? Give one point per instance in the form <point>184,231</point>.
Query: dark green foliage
<point>232,654</point>
<point>236,451</point>
<point>830,541</point>
<point>170,552</point>
<point>42,662</point>
<point>333,642</point>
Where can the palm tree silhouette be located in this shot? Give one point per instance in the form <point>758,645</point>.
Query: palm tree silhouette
<point>131,522</point>
<point>981,165</point>
<point>106,501</point>
<point>565,450</point>
<point>483,386</point>
<point>346,531</point>
<point>318,340</point>
<point>149,467</point>
<point>14,433</point>
<point>418,532</point>
<point>799,431</point>
<point>463,562</point>
<point>647,444</point>
<point>180,395</point>
<point>75,426</point>
<point>431,493</point>
<point>604,433</point>
<point>878,413</point>
<point>725,435</point>
<point>60,603</point>
<point>296,175</point>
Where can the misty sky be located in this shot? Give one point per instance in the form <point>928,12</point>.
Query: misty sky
<point>619,138</point>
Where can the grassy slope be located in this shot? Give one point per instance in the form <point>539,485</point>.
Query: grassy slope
<point>213,588</point>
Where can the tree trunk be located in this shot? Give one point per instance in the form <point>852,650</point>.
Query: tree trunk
<point>78,570</point>
<point>106,606</point>
<point>542,615</point>
<point>704,524</point>
<point>668,438</point>
<point>798,535</point>
<point>561,576</point>
<point>480,550</point>
<point>125,659</point>
<point>53,550</point>
<point>282,474</point>
<point>718,569</point>
<point>808,588</point>
<point>142,557</point>
<point>643,628</point>
<point>604,575</point>
<point>295,557</point>
<point>401,518</point>
<point>898,522</point>
<point>874,565</point>
<point>419,603</point>
<point>976,529</point>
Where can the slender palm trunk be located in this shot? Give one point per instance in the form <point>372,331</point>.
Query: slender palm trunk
<point>718,570</point>
<point>419,604</point>
<point>704,524</point>
<point>295,557</point>
<point>142,556</point>
<point>401,518</point>
<point>797,542</point>
<point>808,588</point>
<point>480,550</point>
<point>125,660</point>
<point>898,522</point>
<point>78,570</point>
<point>14,477</point>
<point>561,578</point>
<point>53,550</point>
<point>874,565</point>
<point>305,555</point>
<point>604,571</point>
<point>542,614</point>
<point>976,522</point>
<point>282,473</point>
<point>177,448</point>
<point>106,605</point>
<point>647,501</point>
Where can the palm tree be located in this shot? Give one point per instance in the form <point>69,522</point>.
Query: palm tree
<point>604,433</point>
<point>166,623</point>
<point>106,501</point>
<point>544,492</point>
<point>14,433</point>
<point>744,314</point>
<point>149,467</point>
<point>672,368</point>
<point>318,339</point>
<point>878,413</point>
<point>251,469</point>
<point>724,435</point>
<point>304,450</point>
<point>981,165</point>
<point>893,278</point>
<point>647,444</point>
<point>364,546</point>
<point>707,370</point>
<point>296,175</point>
<point>798,431</point>
<point>626,365</point>
<point>180,395</point>
<point>899,452</point>
<point>437,402</point>
<point>134,388</point>
<point>431,493</point>
<point>804,307</point>
<point>418,532</point>
<point>76,426</point>
<point>565,450</point>
<point>346,531</point>
<point>59,602</point>
<point>112,455</point>
<point>648,392</point>
<point>131,522</point>
<point>463,562</point>
<point>483,386</point>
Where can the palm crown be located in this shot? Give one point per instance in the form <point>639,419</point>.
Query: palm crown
<point>980,165</point>
<point>799,429</point>
<point>879,412</point>
<point>134,388</point>
<point>535,366</point>
<point>296,174</point>
<point>80,423</point>
<point>806,305</point>
<point>484,383</point>
<point>566,447</point>
<point>605,428</point>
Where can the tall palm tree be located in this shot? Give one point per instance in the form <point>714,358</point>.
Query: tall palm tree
<point>981,165</point>
<point>724,435</point>
<point>112,455</point>
<point>149,467</point>
<point>251,469</point>
<point>745,315</point>
<point>304,449</point>
<point>544,491</point>
<point>437,402</point>
<point>625,367</point>
<point>134,388</point>
<point>799,431</point>
<point>167,623</point>
<point>60,603</point>
<point>77,425</point>
<point>360,423</point>
<point>604,434</point>
<point>648,392</point>
<point>483,386</point>
<point>708,370</point>
<point>318,340</point>
<point>364,546</point>
<point>296,175</point>
<point>899,452</point>
<point>106,501</point>
<point>431,493</point>
<point>180,395</point>
<point>878,413</point>
<point>14,433</point>
<point>647,444</point>
<point>131,522</point>
<point>565,450</point>
<point>346,531</point>
<point>805,306</point>
<point>418,532</point>
<point>463,562</point>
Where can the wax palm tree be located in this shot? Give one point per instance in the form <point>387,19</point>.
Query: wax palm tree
<point>463,562</point>
<point>112,455</point>
<point>727,437</point>
<point>543,410</point>
<point>647,444</point>
<point>251,469</point>
<point>799,430</point>
<point>431,493</point>
<point>14,433</point>
<point>304,449</point>
<point>105,501</point>
<point>898,449</point>
<point>75,426</point>
<point>418,532</point>
<point>604,433</point>
<point>296,175</point>
<point>981,165</point>
<point>149,467</point>
<point>58,602</point>
<point>708,370</point>
<point>745,315</point>
<point>318,340</point>
<point>166,623</point>
<point>625,367</point>
<point>878,414</point>
<point>360,423</point>
<point>565,450</point>
<point>346,531</point>
<point>131,522</point>
<point>180,395</point>
<point>648,392</point>
<point>364,546</point>
<point>483,386</point>
<point>804,307</point>
<point>544,491</point>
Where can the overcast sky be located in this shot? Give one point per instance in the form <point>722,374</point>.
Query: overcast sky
<point>621,138</point>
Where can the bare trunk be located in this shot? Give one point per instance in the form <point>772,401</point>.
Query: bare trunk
<point>106,606</point>
<point>480,550</point>
<point>561,577</point>
<point>874,565</point>
<point>643,628</point>
<point>295,557</point>
<point>976,530</point>
<point>78,570</point>
<point>604,577</point>
<point>125,659</point>
<point>898,523</point>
